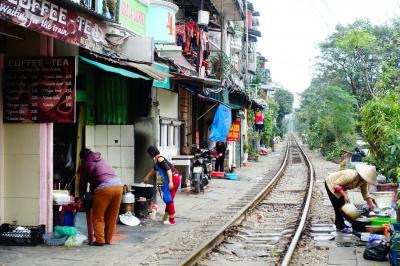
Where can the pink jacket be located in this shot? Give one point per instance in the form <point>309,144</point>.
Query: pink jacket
<point>94,170</point>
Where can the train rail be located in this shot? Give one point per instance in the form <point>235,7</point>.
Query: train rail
<point>267,224</point>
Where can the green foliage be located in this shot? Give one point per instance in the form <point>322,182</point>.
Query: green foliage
<point>353,39</point>
<point>220,65</point>
<point>285,101</point>
<point>362,59</point>
<point>381,128</point>
<point>270,129</point>
<point>327,115</point>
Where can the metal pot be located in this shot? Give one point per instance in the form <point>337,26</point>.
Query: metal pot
<point>127,197</point>
<point>143,190</point>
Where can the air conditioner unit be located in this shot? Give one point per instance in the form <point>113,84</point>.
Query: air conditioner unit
<point>203,17</point>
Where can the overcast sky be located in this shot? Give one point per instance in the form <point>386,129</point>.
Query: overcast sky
<point>292,29</point>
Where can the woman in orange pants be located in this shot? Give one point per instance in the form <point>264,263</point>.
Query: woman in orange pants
<point>107,189</point>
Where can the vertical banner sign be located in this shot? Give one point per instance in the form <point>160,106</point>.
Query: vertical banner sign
<point>47,17</point>
<point>39,89</point>
<point>234,132</point>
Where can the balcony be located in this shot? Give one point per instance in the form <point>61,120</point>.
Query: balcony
<point>95,7</point>
<point>232,10</point>
<point>252,67</point>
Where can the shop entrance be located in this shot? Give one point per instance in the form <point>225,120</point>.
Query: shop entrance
<point>64,156</point>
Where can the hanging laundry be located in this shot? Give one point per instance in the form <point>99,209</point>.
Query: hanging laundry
<point>194,42</point>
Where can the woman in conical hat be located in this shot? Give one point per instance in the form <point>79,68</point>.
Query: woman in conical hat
<point>338,183</point>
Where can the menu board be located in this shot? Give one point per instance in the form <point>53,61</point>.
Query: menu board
<point>39,89</point>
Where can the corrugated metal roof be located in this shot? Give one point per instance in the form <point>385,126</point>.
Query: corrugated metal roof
<point>150,71</point>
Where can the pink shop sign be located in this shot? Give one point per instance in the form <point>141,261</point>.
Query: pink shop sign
<point>57,21</point>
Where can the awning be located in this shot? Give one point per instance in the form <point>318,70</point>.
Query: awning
<point>181,61</point>
<point>116,70</point>
<point>147,70</point>
<point>198,80</point>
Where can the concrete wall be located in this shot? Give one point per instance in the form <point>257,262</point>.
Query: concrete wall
<point>21,182</point>
<point>22,173</point>
<point>168,103</point>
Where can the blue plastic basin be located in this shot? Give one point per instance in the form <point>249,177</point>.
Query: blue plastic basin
<point>231,176</point>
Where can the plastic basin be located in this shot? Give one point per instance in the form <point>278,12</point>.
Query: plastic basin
<point>382,221</point>
<point>231,176</point>
<point>217,174</point>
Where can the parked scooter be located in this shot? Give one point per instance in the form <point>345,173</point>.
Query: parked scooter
<point>201,169</point>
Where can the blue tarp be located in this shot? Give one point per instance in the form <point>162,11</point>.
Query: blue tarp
<point>221,124</point>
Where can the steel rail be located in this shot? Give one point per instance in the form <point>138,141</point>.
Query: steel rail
<point>218,236</point>
<point>303,220</point>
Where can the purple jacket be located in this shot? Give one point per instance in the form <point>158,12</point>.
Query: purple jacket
<point>94,170</point>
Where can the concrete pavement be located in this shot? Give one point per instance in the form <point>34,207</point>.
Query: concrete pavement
<point>144,244</point>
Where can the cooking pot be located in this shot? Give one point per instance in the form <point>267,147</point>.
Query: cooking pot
<point>127,197</point>
<point>351,211</point>
<point>143,190</point>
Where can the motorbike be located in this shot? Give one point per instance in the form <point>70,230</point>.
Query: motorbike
<point>201,169</point>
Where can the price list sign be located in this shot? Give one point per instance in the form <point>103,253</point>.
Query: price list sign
<point>39,89</point>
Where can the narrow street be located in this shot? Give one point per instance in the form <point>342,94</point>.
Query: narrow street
<point>153,243</point>
<point>199,132</point>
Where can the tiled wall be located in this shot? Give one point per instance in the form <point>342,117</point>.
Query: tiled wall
<point>116,143</point>
<point>22,173</point>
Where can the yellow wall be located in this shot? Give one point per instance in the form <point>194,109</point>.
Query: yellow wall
<point>22,173</point>
<point>21,147</point>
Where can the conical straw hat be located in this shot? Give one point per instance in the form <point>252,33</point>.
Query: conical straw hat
<point>367,172</point>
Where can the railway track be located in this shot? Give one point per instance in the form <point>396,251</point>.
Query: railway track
<point>266,224</point>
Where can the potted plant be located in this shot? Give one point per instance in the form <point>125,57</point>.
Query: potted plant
<point>245,151</point>
<point>253,156</point>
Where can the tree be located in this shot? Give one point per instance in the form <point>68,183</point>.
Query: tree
<point>327,113</point>
<point>381,128</point>
<point>361,58</point>
<point>285,100</point>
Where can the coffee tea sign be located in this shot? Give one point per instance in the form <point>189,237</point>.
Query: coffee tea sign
<point>62,23</point>
<point>39,89</point>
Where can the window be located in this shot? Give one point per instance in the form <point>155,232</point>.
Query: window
<point>163,135</point>
<point>169,133</point>
<point>176,136</point>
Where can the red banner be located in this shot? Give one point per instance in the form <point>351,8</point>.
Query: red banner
<point>59,22</point>
<point>39,89</point>
<point>234,132</point>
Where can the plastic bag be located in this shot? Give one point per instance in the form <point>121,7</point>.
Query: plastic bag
<point>66,230</point>
<point>376,251</point>
<point>81,222</point>
<point>75,241</point>
<point>221,124</point>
